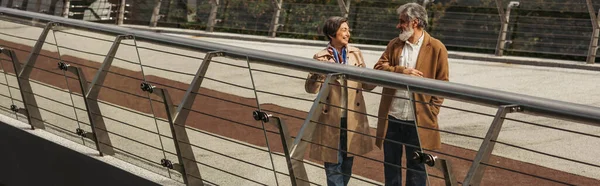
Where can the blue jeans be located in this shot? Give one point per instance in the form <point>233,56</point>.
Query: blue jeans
<point>404,132</point>
<point>338,174</point>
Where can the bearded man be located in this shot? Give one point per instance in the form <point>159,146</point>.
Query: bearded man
<point>402,121</point>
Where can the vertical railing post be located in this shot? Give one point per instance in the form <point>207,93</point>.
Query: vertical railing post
<point>66,7</point>
<point>285,140</point>
<point>90,98</point>
<point>593,47</point>
<point>121,15</point>
<point>155,14</point>
<point>171,113</point>
<point>22,72</point>
<point>484,153</point>
<point>504,20</point>
<point>11,54</point>
<point>344,7</point>
<point>212,18</point>
<point>84,88</point>
<point>275,20</point>
<point>177,117</point>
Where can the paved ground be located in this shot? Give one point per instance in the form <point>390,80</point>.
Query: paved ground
<point>576,86</point>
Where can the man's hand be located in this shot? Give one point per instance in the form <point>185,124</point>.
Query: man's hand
<point>385,65</point>
<point>412,72</point>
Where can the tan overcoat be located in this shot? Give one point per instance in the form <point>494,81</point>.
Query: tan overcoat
<point>433,62</point>
<point>330,115</point>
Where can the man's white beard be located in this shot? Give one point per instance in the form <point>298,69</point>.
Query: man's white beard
<point>406,34</point>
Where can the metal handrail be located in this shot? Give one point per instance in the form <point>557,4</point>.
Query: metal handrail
<point>483,96</point>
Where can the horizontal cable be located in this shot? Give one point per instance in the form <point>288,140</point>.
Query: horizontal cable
<point>6,109</point>
<point>24,38</point>
<point>8,97</point>
<point>295,117</point>
<point>539,44</point>
<point>225,119</point>
<point>229,101</point>
<point>66,131</point>
<point>468,22</point>
<point>302,179</point>
<point>474,31</point>
<point>230,173</point>
<point>55,113</point>
<point>280,74</point>
<point>131,139</point>
<point>544,52</point>
<point>225,155</point>
<point>172,53</point>
<point>240,29</point>
<point>521,25</point>
<point>224,138</point>
<point>227,83</point>
<point>550,127</point>
<point>572,36</point>
<point>167,70</point>
<point>132,154</point>
<point>519,172</point>
<point>131,125</point>
<point>130,111</point>
<point>50,99</point>
<point>100,55</point>
<point>286,96</point>
<point>468,38</point>
<point>228,64</point>
<point>90,37</point>
<point>543,153</point>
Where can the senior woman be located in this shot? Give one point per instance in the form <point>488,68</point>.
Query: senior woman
<point>338,136</point>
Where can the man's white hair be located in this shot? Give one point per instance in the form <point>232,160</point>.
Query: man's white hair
<point>414,11</point>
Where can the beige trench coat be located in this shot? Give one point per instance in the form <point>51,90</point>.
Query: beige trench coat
<point>329,136</point>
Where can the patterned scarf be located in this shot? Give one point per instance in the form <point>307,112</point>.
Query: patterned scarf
<point>337,55</point>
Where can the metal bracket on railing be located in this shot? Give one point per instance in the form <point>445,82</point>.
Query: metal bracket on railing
<point>16,109</point>
<point>147,87</point>
<point>83,133</point>
<point>261,116</point>
<point>23,72</point>
<point>170,165</point>
<point>484,153</point>
<point>440,164</point>
<point>177,116</point>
